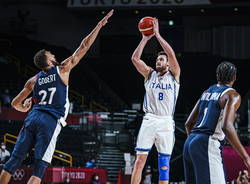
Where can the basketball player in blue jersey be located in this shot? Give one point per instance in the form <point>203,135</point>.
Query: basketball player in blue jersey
<point>162,87</point>
<point>48,114</point>
<point>210,121</point>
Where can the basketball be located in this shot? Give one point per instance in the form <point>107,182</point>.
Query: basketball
<point>145,25</point>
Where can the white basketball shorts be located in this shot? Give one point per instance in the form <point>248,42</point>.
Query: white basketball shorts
<point>158,130</point>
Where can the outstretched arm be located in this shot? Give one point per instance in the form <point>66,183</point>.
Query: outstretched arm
<point>20,103</point>
<point>231,106</point>
<point>173,63</point>
<point>192,118</point>
<point>72,61</point>
<point>139,64</point>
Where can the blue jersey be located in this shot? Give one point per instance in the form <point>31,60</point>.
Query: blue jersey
<point>51,94</point>
<point>210,113</point>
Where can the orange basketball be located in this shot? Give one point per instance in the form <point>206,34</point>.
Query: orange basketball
<point>145,25</point>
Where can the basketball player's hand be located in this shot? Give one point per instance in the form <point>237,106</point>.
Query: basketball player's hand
<point>156,26</point>
<point>104,21</point>
<point>27,104</point>
<point>247,163</point>
<point>243,178</point>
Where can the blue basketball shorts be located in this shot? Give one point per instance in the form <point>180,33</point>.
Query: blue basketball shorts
<point>40,131</point>
<point>202,160</point>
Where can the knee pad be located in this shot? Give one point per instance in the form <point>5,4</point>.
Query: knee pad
<point>163,166</point>
<point>39,168</point>
<point>12,164</point>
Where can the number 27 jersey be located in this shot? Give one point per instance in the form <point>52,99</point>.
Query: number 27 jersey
<point>161,94</point>
<point>50,94</point>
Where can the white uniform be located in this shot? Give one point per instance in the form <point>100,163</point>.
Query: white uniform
<point>159,106</point>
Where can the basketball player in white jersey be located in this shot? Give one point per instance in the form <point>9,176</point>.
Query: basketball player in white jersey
<point>162,88</point>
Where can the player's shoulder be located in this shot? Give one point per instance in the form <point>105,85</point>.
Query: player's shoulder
<point>33,79</point>
<point>66,65</point>
<point>151,74</point>
<point>31,82</point>
<point>231,94</point>
<point>230,91</point>
<point>172,77</point>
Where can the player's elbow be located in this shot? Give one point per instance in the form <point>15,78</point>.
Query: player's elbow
<point>178,70</point>
<point>134,59</point>
<point>83,48</point>
<point>13,103</point>
<point>171,56</point>
<point>187,125</point>
<point>226,128</point>
<point>77,57</point>
<point>84,45</point>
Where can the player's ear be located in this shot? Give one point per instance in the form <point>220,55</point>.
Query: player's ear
<point>49,63</point>
<point>234,77</point>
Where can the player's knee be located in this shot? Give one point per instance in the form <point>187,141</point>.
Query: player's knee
<point>163,163</point>
<point>12,164</point>
<point>39,168</point>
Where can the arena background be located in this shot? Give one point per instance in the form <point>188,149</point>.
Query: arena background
<point>106,90</point>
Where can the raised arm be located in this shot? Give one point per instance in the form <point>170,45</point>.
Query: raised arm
<point>139,64</point>
<point>20,103</point>
<point>232,104</point>
<point>72,61</point>
<point>173,63</point>
<point>192,118</point>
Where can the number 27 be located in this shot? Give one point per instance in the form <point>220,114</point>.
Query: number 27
<point>44,95</point>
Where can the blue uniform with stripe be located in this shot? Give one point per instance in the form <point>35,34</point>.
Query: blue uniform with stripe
<point>51,94</point>
<point>45,120</point>
<point>202,149</point>
<point>209,110</point>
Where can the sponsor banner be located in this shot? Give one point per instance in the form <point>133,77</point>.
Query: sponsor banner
<point>133,3</point>
<point>59,174</point>
<point>84,175</point>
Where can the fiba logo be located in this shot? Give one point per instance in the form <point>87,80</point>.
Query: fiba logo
<point>19,174</point>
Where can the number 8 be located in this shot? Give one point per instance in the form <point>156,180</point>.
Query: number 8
<point>160,96</point>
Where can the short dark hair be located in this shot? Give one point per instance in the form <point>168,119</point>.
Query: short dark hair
<point>225,72</point>
<point>40,59</point>
<point>162,53</point>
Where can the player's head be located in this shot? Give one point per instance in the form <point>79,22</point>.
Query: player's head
<point>44,59</point>
<point>226,73</point>
<point>162,62</point>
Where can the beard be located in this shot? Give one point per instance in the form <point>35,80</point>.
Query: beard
<point>161,69</point>
<point>55,63</point>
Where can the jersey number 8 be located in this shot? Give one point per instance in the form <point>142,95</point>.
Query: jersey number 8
<point>160,97</point>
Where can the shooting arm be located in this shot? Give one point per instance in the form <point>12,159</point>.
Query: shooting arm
<point>173,63</point>
<point>139,64</point>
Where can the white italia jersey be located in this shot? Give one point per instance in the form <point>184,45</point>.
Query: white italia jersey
<point>161,94</point>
